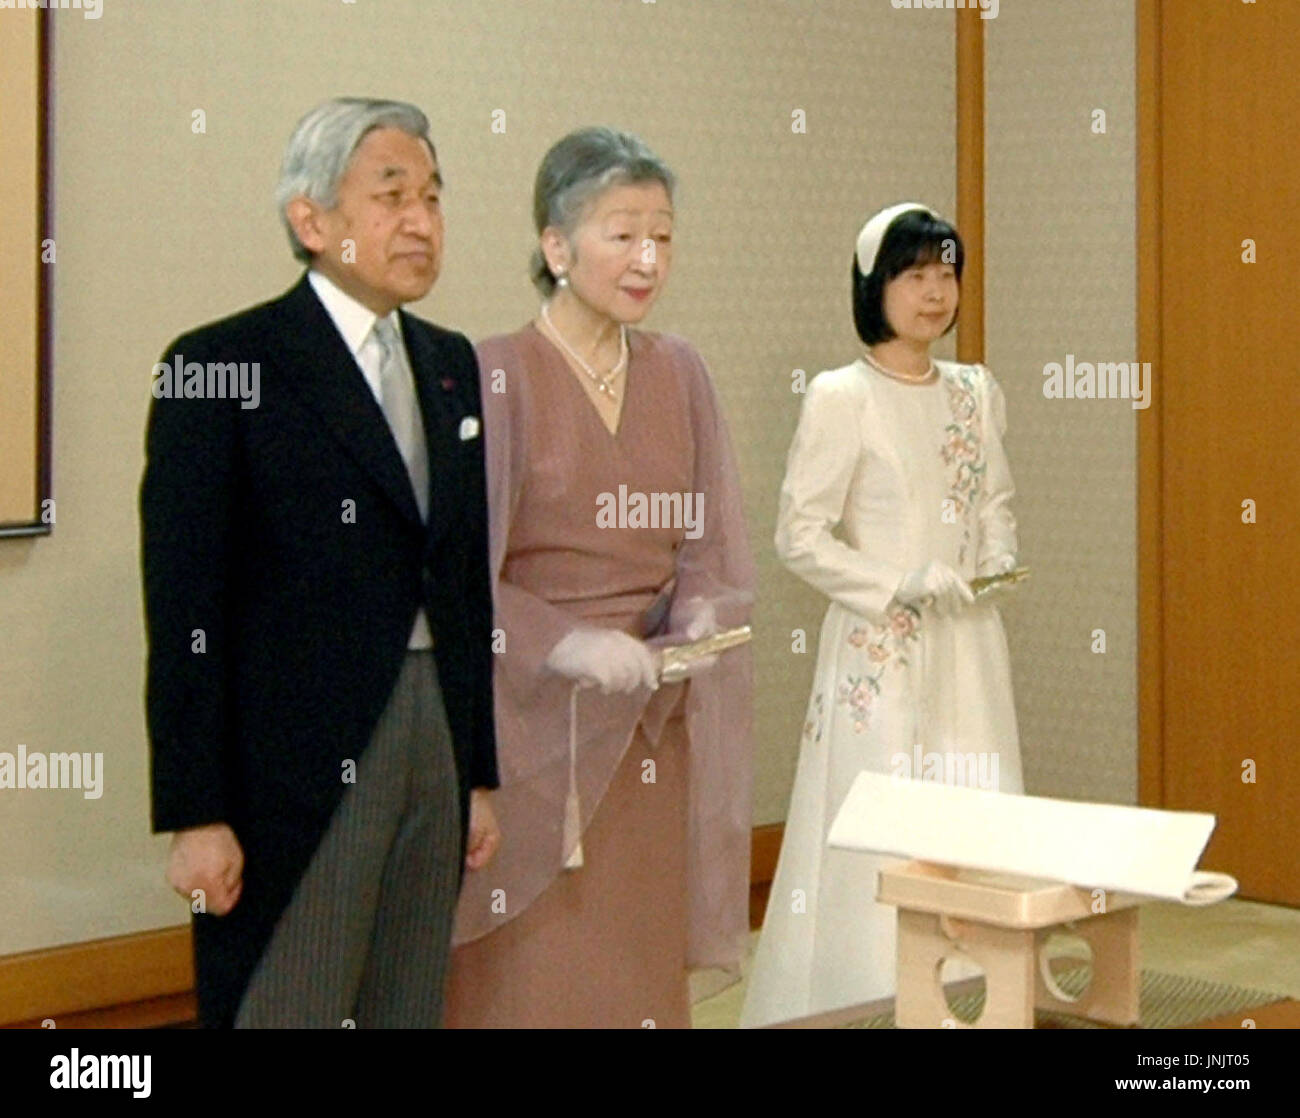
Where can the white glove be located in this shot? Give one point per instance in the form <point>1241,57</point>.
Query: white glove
<point>998,565</point>
<point>999,591</point>
<point>703,623</point>
<point>703,620</point>
<point>936,584</point>
<point>605,658</point>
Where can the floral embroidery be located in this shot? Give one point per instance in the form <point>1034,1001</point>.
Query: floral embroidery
<point>886,647</point>
<point>963,449</point>
<point>815,722</point>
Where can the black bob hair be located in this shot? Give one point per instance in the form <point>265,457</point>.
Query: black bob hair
<point>914,237</point>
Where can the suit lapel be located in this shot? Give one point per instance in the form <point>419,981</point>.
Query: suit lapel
<point>327,379</point>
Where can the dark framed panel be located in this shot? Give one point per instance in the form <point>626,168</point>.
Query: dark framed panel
<point>26,268</point>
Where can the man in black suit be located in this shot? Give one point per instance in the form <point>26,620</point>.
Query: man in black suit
<point>319,608</point>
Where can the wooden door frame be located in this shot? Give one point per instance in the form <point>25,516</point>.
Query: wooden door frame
<point>1150,619</point>
<point>970,181</point>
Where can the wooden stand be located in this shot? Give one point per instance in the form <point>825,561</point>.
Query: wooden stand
<point>1003,923</point>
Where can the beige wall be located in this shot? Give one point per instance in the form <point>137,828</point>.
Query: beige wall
<point>1061,278</point>
<point>160,229</point>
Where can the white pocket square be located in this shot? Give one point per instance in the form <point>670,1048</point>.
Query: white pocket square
<point>469,428</point>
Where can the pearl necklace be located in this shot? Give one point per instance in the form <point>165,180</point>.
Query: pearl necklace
<point>905,378</point>
<point>604,384</point>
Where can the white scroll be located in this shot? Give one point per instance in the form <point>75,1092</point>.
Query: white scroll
<point>1138,850</point>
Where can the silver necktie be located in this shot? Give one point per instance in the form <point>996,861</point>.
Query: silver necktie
<point>402,409</point>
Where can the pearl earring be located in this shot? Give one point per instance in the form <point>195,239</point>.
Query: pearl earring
<point>561,280</point>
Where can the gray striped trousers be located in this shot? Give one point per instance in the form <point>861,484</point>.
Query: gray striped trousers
<point>366,938</point>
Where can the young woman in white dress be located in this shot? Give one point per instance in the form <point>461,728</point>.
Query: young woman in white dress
<point>896,494</point>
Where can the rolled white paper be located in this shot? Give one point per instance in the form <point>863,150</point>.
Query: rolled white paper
<point>1138,850</point>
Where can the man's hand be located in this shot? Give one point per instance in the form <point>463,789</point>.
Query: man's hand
<point>484,834</point>
<point>207,858</point>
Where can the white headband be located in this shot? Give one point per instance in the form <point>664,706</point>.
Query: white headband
<point>874,232</point>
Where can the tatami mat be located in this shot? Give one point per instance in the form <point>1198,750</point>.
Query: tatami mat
<point>1240,943</point>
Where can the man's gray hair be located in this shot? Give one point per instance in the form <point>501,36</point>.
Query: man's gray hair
<point>576,170</point>
<point>323,144</point>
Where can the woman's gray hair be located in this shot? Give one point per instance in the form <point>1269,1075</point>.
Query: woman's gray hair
<point>579,168</point>
<point>323,144</point>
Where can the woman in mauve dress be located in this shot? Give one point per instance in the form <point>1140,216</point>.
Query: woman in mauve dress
<point>616,527</point>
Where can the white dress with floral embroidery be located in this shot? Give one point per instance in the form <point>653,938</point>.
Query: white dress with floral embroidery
<point>883,477</point>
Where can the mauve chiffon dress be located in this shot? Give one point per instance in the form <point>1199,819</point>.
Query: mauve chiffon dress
<point>604,946</point>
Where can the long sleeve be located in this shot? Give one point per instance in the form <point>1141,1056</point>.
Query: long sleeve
<point>535,627</point>
<point>531,625</point>
<point>717,567</point>
<point>187,510</point>
<point>819,471</point>
<point>997,524</point>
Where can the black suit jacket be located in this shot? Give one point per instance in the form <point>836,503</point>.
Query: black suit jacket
<point>284,561</point>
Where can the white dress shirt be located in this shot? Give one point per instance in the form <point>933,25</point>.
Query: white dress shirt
<point>354,321</point>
